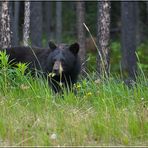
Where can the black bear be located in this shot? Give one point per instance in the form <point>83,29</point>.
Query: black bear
<point>64,62</point>
<point>59,64</point>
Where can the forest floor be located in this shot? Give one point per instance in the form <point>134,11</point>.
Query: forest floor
<point>102,113</point>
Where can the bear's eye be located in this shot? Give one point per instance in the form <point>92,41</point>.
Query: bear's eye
<point>53,60</point>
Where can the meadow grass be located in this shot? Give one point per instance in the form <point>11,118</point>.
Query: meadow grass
<point>101,113</point>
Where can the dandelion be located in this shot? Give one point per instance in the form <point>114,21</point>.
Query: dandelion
<point>78,86</point>
<point>89,94</point>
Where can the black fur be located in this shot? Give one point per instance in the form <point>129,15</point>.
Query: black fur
<point>44,59</point>
<point>68,56</point>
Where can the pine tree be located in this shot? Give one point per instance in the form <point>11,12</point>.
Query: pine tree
<point>16,23</point>
<point>0,22</point>
<point>128,37</point>
<point>26,30</point>
<point>36,23</point>
<point>48,15</point>
<point>81,33</point>
<point>103,37</point>
<point>58,21</point>
<point>5,26</point>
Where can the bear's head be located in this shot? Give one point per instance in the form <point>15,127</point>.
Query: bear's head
<point>63,58</point>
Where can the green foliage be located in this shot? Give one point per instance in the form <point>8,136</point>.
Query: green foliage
<point>142,51</point>
<point>91,62</point>
<point>91,15</point>
<point>21,68</point>
<point>4,60</point>
<point>115,56</point>
<point>69,21</point>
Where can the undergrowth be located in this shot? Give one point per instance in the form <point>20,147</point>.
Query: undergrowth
<point>101,113</point>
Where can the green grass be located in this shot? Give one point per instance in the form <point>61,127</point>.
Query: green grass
<point>103,112</point>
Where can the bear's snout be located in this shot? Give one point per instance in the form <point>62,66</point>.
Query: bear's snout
<point>57,68</point>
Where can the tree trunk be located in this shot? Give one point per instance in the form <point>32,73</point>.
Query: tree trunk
<point>16,23</point>
<point>58,21</point>
<point>5,26</point>
<point>138,23</point>
<point>147,9</point>
<point>103,37</point>
<point>26,30</point>
<point>128,37</point>
<point>11,16</point>
<point>80,8</point>
<point>48,14</point>
<point>36,23</point>
<point>0,21</point>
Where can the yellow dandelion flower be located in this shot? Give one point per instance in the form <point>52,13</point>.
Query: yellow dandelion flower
<point>89,94</point>
<point>78,86</point>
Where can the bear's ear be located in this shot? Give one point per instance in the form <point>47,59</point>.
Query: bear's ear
<point>74,48</point>
<point>52,45</point>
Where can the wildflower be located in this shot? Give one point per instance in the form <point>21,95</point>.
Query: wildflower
<point>89,94</point>
<point>78,86</point>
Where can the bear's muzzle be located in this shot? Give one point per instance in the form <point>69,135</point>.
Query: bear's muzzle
<point>57,68</point>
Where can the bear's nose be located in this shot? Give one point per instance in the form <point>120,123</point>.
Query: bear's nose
<point>57,68</point>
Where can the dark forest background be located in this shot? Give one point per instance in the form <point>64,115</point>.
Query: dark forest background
<point>57,21</point>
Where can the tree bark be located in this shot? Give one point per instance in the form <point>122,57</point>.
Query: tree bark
<point>16,23</point>
<point>128,38</point>
<point>138,23</point>
<point>103,37</point>
<point>11,16</point>
<point>0,22</point>
<point>5,26</point>
<point>58,21</point>
<point>147,11</point>
<point>26,28</point>
<point>36,23</point>
<point>80,8</point>
<point>48,15</point>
